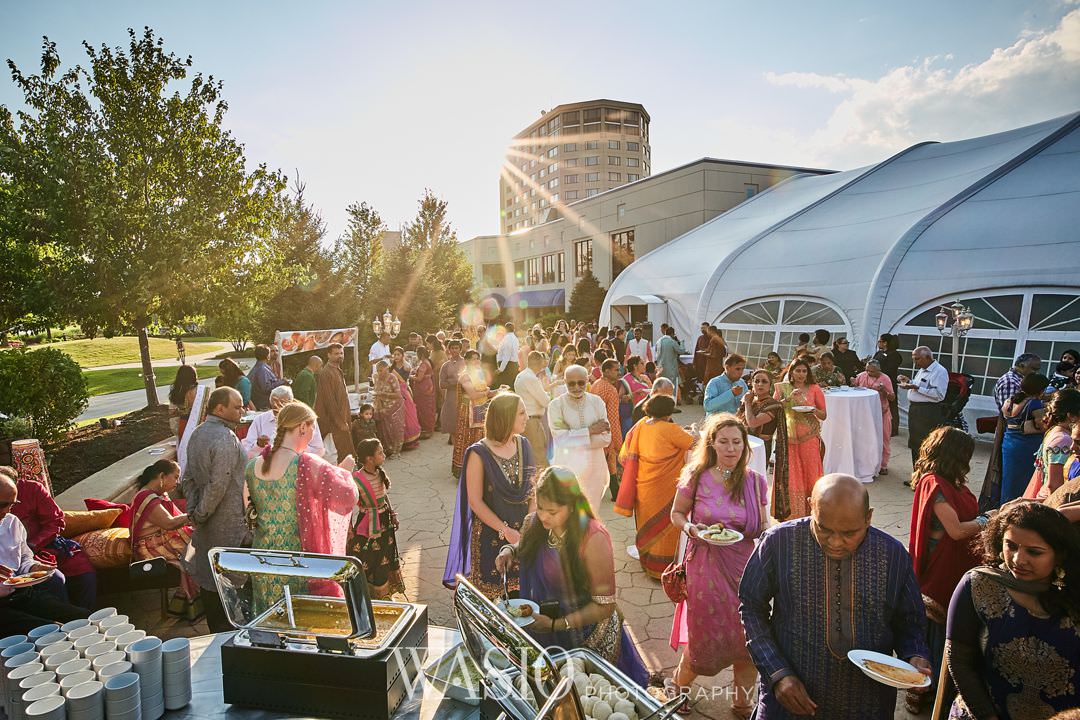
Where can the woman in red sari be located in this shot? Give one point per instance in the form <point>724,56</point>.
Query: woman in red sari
<point>159,528</point>
<point>423,391</point>
<point>944,519</point>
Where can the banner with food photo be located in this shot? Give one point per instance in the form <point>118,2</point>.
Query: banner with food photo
<point>292,342</point>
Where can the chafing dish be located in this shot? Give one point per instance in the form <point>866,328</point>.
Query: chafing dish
<point>309,638</point>
<point>519,675</point>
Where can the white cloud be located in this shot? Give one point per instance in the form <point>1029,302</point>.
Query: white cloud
<point>1034,79</point>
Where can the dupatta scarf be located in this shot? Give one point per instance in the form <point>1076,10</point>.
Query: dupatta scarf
<point>325,497</point>
<point>940,570</point>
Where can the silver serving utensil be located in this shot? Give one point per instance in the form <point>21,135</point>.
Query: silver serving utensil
<point>561,691</point>
<point>666,710</point>
<point>505,591</point>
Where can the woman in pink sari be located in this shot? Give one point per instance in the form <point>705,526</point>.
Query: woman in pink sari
<point>423,390</point>
<point>717,489</point>
<point>389,409</point>
<point>159,528</point>
<point>298,502</point>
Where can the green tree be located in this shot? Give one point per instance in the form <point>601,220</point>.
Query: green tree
<point>587,298</point>
<point>45,387</point>
<point>358,253</point>
<point>137,196</point>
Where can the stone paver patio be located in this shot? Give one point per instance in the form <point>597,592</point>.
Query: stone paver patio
<point>423,494</point>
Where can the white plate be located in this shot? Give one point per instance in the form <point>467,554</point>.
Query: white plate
<point>804,408</point>
<point>724,543</point>
<point>521,621</point>
<point>32,583</point>
<point>858,656</point>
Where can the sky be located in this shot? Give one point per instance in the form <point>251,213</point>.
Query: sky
<point>375,102</point>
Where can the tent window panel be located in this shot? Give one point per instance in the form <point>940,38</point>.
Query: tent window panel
<point>1001,312</point>
<point>762,313</point>
<point>1050,351</point>
<point>807,312</point>
<point>976,346</point>
<point>1060,313</point>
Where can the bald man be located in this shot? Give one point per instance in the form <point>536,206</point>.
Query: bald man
<point>23,609</point>
<point>818,587</point>
<point>580,432</point>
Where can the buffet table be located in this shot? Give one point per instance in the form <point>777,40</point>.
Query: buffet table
<point>207,699</point>
<point>852,432</point>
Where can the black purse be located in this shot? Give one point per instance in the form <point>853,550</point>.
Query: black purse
<point>151,569</point>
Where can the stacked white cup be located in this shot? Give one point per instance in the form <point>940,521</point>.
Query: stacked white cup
<point>75,679</point>
<point>44,641</point>
<point>10,664</point>
<point>39,692</point>
<point>98,616</point>
<point>176,672</point>
<point>115,668</point>
<point>145,656</point>
<point>129,637</point>
<point>122,697</point>
<point>42,631</point>
<point>86,701</point>
<point>22,679</point>
<point>50,708</point>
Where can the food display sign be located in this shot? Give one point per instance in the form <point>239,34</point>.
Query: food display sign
<point>291,342</point>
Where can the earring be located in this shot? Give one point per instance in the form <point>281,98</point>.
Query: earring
<point>1059,579</point>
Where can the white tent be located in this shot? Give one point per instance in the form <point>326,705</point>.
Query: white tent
<point>993,221</point>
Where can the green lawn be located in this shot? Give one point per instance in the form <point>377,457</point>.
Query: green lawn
<point>125,349</point>
<point>103,382</point>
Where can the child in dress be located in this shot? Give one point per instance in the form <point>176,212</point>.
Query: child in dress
<point>363,427</point>
<point>373,540</point>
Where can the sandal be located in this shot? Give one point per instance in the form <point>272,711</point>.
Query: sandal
<point>685,708</point>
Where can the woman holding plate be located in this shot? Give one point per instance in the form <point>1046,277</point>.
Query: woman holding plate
<point>566,558</point>
<point>717,489</point>
<point>804,407</point>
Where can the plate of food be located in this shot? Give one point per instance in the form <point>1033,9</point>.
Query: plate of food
<point>804,408</point>
<point>28,579</point>
<point>521,611</point>
<point>888,670</point>
<point>719,535</point>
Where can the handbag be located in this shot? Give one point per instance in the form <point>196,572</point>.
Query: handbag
<point>148,569</point>
<point>477,413</point>
<point>673,579</point>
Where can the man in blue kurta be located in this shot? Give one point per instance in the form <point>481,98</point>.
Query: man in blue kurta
<point>818,587</point>
<point>725,391</point>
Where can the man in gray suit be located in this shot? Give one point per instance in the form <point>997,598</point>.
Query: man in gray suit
<point>213,485</point>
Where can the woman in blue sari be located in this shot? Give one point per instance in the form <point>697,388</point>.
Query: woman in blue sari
<point>1013,633</point>
<point>565,555</point>
<point>1023,435</point>
<point>495,493</point>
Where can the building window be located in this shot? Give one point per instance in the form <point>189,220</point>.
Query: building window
<point>553,152</point>
<point>572,194</point>
<point>592,160</point>
<point>633,146</point>
<point>582,258</point>
<point>532,271</point>
<point>614,160</point>
<point>613,144</point>
<point>552,268</point>
<point>756,328</point>
<point>543,172</point>
<point>570,147</point>
<point>620,211</point>
<point>553,183</point>
<point>592,177</point>
<point>553,168</point>
<point>631,177</point>
<point>592,145</point>
<point>571,118</point>
<point>622,251</point>
<point>614,177</point>
<point>570,162</point>
<point>751,189</point>
<point>570,178</point>
<point>519,267</point>
<point>492,275</point>
<point>555,198</point>
<point>632,162</point>
<point>592,192</point>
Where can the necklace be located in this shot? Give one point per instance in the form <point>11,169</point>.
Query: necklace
<point>555,541</point>
<point>725,473</point>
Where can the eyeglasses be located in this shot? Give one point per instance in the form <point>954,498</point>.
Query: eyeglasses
<point>576,383</point>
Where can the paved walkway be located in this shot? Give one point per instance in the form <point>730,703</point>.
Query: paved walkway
<point>200,359</point>
<point>423,494</point>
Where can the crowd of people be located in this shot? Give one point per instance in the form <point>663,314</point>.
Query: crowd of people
<point>549,425</point>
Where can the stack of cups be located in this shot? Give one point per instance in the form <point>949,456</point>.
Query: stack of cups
<point>109,658</point>
<point>44,641</point>
<point>71,667</point>
<point>145,658</point>
<point>5,643</point>
<point>87,640</point>
<point>57,647</point>
<point>104,624</point>
<point>73,625</point>
<point>51,708</point>
<point>54,661</point>
<point>113,669</point>
<point>22,679</point>
<point>176,672</point>
<point>122,697</point>
<point>129,637</point>
<point>39,692</point>
<point>97,616</point>
<point>105,646</point>
<point>75,679</point>
<point>86,701</point>
<point>117,630</point>
<point>42,631</point>
<point>11,663</point>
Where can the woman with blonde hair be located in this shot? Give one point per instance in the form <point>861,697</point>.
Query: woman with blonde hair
<point>298,501</point>
<point>495,493</point>
<point>717,488</point>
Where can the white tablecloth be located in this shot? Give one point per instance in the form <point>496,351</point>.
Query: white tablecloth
<point>852,433</point>
<point>758,462</point>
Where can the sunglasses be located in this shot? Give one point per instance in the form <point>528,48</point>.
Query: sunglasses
<point>576,383</point>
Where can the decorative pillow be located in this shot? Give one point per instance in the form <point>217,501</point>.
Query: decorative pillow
<point>77,522</point>
<point>107,548</point>
<point>122,521</point>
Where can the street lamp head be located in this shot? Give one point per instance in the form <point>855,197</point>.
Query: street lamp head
<point>376,327</point>
<point>942,321</point>
<point>965,320</point>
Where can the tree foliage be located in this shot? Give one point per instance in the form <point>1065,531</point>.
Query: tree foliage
<point>135,196</point>
<point>358,253</point>
<point>587,298</point>
<point>44,387</point>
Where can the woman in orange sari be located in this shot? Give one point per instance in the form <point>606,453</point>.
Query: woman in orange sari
<point>804,408</point>
<point>652,457</point>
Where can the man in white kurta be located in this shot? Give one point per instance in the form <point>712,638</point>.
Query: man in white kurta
<point>580,432</point>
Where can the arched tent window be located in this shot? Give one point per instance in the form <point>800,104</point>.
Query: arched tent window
<point>758,327</point>
<point>1008,322</point>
